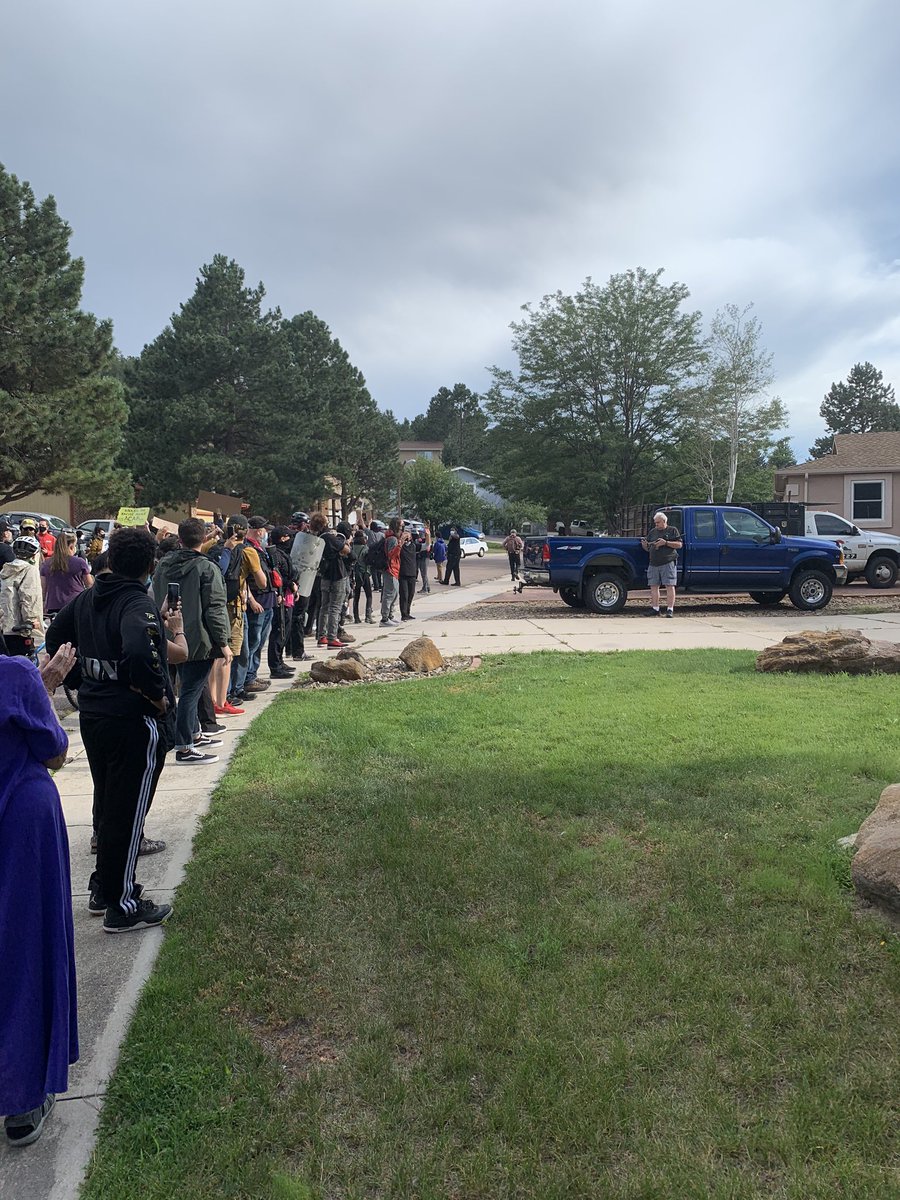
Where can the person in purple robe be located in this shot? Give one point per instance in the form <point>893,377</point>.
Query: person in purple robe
<point>38,1017</point>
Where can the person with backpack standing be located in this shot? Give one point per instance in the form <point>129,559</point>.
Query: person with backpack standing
<point>21,601</point>
<point>207,630</point>
<point>299,524</point>
<point>359,551</point>
<point>260,605</point>
<point>242,565</point>
<point>374,535</point>
<point>332,581</point>
<point>409,572</point>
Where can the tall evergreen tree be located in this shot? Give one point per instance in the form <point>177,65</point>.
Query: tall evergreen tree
<point>63,412</point>
<point>456,418</point>
<point>217,402</point>
<point>862,404</point>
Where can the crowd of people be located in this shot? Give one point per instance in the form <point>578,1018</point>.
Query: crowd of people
<point>163,636</point>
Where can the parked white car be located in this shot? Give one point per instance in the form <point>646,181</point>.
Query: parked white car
<point>866,552</point>
<point>471,546</point>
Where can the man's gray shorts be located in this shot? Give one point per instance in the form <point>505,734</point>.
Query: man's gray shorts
<point>664,575</point>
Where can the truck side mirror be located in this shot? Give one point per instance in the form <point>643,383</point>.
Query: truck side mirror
<point>775,536</point>
<point>856,532</point>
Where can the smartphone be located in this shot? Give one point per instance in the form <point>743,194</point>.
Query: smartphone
<point>173,595</point>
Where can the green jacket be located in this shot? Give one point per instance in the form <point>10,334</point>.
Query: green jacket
<point>203,605</point>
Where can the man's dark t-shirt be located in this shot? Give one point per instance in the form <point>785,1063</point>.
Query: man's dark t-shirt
<point>662,554</point>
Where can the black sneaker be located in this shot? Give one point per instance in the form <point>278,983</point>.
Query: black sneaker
<point>147,915</point>
<point>206,739</point>
<point>653,612</point>
<point>281,673</point>
<point>212,730</point>
<point>670,612</point>
<point>195,758</point>
<point>97,906</point>
<point>242,698</point>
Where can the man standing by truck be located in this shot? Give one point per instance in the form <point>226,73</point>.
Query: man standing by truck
<point>663,543</point>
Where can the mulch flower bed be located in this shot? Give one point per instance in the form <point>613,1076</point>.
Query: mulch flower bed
<point>392,670</point>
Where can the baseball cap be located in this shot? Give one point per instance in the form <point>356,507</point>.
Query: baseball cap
<point>237,521</point>
<point>27,523</point>
<point>259,523</point>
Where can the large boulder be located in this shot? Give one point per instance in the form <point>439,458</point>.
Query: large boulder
<point>337,670</point>
<point>876,864</point>
<point>830,652</point>
<point>353,655</point>
<point>421,655</point>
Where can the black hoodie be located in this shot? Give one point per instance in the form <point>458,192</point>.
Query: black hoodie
<point>121,642</point>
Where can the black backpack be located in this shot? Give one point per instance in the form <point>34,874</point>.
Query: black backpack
<point>376,559</point>
<point>233,574</point>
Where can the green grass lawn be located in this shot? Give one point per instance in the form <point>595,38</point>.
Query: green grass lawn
<point>566,926</point>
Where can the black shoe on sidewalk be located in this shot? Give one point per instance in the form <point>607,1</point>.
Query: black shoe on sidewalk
<point>146,916</point>
<point>281,673</point>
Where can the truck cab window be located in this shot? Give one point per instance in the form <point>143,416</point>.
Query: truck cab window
<point>705,526</point>
<point>745,527</point>
<point>828,525</point>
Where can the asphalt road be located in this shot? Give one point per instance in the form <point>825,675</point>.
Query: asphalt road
<point>474,570</point>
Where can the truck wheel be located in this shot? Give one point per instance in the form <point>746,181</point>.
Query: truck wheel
<point>572,597</point>
<point>605,593</point>
<point>768,599</point>
<point>881,571</point>
<point>810,590</point>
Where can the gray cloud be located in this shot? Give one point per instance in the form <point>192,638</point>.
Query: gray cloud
<point>414,173</point>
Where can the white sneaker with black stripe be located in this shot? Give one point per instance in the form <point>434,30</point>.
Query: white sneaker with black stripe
<point>195,757</point>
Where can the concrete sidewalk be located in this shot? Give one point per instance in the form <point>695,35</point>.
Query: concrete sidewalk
<point>112,970</point>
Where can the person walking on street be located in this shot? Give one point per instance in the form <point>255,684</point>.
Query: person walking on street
<point>513,545</point>
<point>207,631</point>
<point>663,542</point>
<point>390,579</point>
<point>454,555</point>
<point>409,572</point>
<point>124,698</point>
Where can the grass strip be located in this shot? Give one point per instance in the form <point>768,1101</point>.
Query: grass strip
<point>566,926</point>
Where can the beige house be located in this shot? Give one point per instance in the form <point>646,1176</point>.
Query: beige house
<point>860,481</point>
<point>410,451</point>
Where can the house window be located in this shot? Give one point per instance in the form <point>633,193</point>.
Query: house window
<point>425,454</point>
<point>868,500</point>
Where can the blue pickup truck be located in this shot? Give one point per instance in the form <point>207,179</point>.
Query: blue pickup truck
<point>726,549</point>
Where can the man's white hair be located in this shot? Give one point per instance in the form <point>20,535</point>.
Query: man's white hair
<point>665,517</point>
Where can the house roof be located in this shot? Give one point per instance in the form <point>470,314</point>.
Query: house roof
<point>472,471</point>
<point>855,452</point>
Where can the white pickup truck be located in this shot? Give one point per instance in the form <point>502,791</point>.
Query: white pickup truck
<point>874,555</point>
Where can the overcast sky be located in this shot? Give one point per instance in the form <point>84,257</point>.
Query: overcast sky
<point>415,172</point>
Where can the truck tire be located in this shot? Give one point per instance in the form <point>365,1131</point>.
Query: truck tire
<point>810,590</point>
<point>605,593</point>
<point>768,599</point>
<point>881,571</point>
<point>571,596</point>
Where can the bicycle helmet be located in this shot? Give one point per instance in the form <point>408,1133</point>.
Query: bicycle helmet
<point>26,547</point>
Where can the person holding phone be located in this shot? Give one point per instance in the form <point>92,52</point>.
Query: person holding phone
<point>186,578</point>
<point>663,543</point>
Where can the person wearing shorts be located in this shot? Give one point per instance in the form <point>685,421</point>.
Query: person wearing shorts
<point>663,543</point>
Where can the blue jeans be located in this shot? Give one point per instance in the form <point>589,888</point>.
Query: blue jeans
<point>258,626</point>
<point>192,677</point>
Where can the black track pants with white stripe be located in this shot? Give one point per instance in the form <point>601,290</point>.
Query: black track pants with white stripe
<point>126,757</point>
